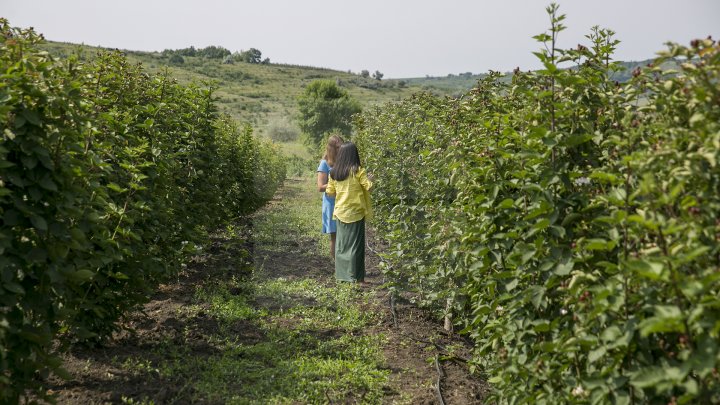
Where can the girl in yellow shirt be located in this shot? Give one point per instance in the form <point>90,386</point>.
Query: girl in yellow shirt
<point>350,185</point>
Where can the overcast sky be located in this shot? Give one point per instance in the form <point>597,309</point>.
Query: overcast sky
<point>401,38</point>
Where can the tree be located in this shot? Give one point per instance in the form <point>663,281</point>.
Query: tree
<point>176,59</point>
<point>377,75</point>
<point>365,73</point>
<point>325,107</point>
<point>251,56</point>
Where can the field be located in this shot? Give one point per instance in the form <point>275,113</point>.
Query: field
<point>544,237</point>
<point>263,94</point>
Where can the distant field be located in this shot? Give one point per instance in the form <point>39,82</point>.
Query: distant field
<point>262,94</point>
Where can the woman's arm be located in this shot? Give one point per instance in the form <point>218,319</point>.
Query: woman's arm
<point>330,189</point>
<point>322,179</point>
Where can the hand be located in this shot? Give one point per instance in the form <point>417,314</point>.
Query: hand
<point>370,176</point>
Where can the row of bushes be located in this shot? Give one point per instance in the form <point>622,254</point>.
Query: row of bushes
<point>567,223</point>
<point>109,179</point>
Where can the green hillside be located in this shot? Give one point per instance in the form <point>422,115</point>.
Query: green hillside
<point>260,94</point>
<point>265,94</point>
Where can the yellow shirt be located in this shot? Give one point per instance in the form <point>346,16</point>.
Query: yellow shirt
<point>352,202</point>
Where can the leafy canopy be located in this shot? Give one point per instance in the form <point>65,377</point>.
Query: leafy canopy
<point>325,107</point>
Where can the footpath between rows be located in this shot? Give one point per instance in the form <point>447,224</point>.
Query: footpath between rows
<point>258,318</point>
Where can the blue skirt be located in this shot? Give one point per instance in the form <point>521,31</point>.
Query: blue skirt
<point>328,224</point>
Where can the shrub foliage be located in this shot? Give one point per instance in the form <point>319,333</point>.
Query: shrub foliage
<point>324,107</point>
<point>109,179</point>
<point>565,222</point>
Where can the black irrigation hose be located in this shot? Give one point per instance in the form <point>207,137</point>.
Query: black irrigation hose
<point>392,295</point>
<point>440,348</point>
<point>392,309</point>
<point>438,389</point>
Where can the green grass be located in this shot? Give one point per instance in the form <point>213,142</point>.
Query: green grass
<point>308,354</point>
<point>306,343</point>
<point>298,217</point>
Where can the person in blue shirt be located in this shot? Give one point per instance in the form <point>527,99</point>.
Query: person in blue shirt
<point>329,225</point>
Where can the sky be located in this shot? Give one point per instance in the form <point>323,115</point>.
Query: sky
<point>400,38</point>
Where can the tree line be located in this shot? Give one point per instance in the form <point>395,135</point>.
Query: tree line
<point>251,55</point>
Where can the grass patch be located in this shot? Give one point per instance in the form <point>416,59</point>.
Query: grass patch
<point>295,220</point>
<point>278,340</point>
<point>311,352</point>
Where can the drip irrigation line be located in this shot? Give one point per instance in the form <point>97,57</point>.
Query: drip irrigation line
<point>438,382</point>
<point>393,311</point>
<point>440,348</point>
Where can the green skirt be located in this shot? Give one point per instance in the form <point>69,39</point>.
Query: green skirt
<point>350,251</point>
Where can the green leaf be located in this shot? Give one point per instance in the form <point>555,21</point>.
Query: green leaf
<point>604,177</point>
<point>37,255</point>
<point>506,203</point>
<point>119,276</point>
<point>697,117</point>
<point>702,361</point>
<point>648,377</point>
<point>599,244</point>
<point>39,222</point>
<point>116,188</point>
<point>31,116</point>
<point>495,380</point>
<point>570,218</point>
<point>611,333</point>
<point>62,373</point>
<point>12,218</point>
<point>622,397</point>
<point>564,268</point>
<point>692,255</point>
<point>541,325</point>
<point>14,287</point>
<point>82,275</point>
<point>542,224</point>
<point>527,256</point>
<point>535,294</point>
<point>29,162</point>
<point>692,288</point>
<point>668,318</point>
<point>596,354</point>
<point>649,269</point>
<point>576,139</point>
<point>48,184</point>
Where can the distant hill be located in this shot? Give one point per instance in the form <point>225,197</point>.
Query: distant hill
<point>456,84</point>
<point>258,93</point>
<point>264,94</point>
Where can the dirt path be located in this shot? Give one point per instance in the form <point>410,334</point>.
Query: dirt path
<point>258,318</point>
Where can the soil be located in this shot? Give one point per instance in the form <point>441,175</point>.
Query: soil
<point>414,337</point>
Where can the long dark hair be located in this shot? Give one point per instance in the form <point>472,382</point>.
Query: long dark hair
<point>347,162</point>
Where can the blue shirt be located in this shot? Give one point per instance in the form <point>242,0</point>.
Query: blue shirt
<point>325,168</point>
<point>328,203</point>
